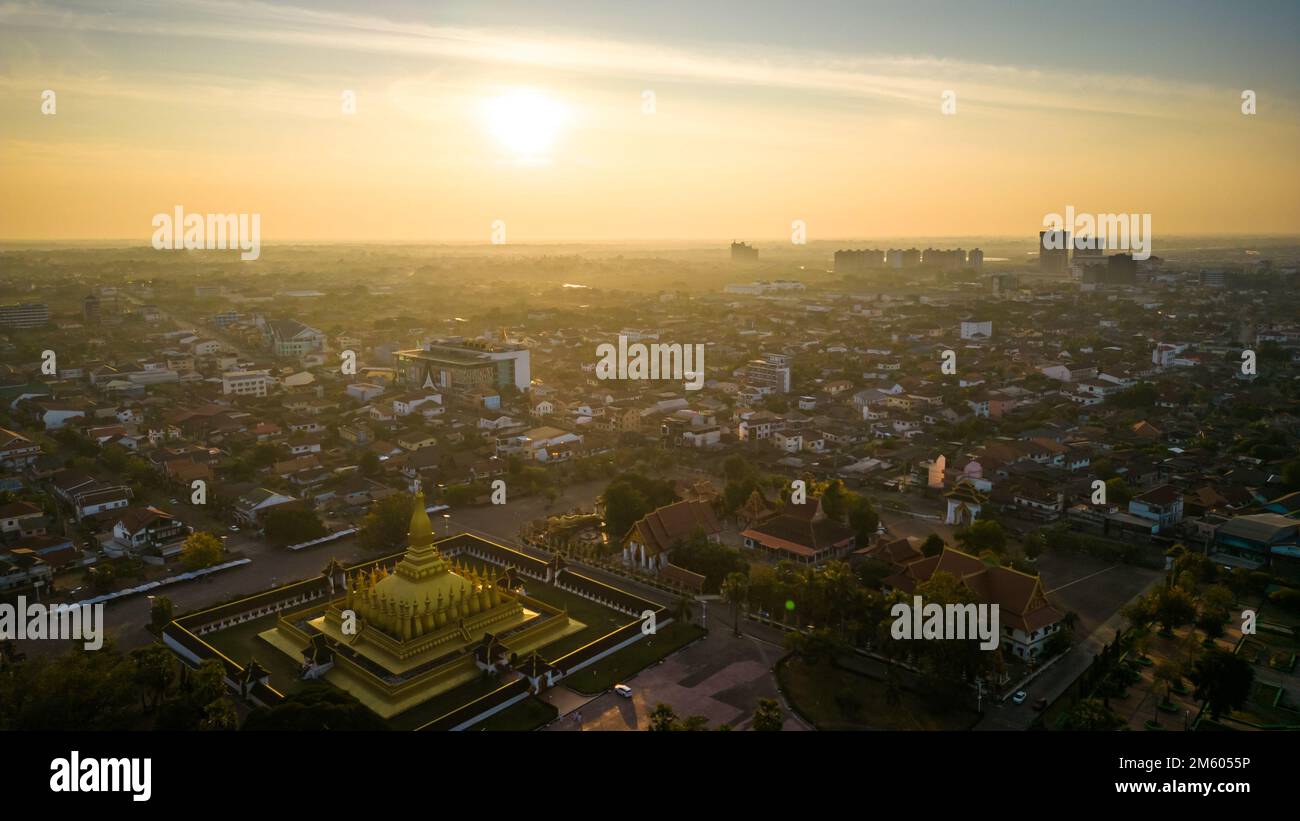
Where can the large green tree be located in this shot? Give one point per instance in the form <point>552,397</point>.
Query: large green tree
<point>387,522</point>
<point>293,525</point>
<point>629,497</point>
<point>315,707</point>
<point>1223,681</point>
<point>982,535</point>
<point>201,549</point>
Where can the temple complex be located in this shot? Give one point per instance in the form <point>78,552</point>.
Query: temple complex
<point>398,636</point>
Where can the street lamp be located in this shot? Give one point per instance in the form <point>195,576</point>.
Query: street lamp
<point>446,518</point>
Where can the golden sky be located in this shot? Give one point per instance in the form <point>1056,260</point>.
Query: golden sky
<point>222,107</point>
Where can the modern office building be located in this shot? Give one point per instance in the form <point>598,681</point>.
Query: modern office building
<point>1004,284</point>
<point>461,365</point>
<point>1120,269</point>
<point>1220,279</point>
<point>90,308</point>
<point>26,315</point>
<point>770,373</point>
<point>743,252</point>
<point>976,330</point>
<point>1054,251</point>
<point>291,338</point>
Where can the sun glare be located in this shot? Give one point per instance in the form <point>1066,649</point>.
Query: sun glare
<point>526,123</point>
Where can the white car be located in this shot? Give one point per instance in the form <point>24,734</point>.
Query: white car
<point>1019,697</point>
<point>623,690</point>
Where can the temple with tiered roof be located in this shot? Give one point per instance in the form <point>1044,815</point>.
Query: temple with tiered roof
<point>396,636</point>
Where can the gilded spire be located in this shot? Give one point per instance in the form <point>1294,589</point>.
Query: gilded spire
<point>420,533</point>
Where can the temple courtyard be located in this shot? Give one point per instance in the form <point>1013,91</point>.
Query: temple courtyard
<point>719,676</point>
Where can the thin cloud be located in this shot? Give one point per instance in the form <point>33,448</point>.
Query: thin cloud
<point>916,81</point>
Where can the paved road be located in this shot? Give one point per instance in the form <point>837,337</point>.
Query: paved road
<point>127,619</point>
<point>720,677</point>
<point>1051,683</point>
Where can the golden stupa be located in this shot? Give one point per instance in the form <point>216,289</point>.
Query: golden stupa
<point>427,602</point>
<point>423,595</point>
<point>396,638</point>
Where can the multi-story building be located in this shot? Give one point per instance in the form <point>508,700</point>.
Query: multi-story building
<point>226,318</point>
<point>858,260</point>
<point>743,252</point>
<point>291,338</point>
<point>464,365</point>
<point>976,330</point>
<point>1162,505</point>
<point>770,373</point>
<point>951,260</point>
<point>1119,269</point>
<point>1054,251</point>
<point>246,383</point>
<point>26,315</point>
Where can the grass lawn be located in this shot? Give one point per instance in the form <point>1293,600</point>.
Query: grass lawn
<point>444,703</point>
<point>529,714</point>
<point>240,643</point>
<point>631,660</point>
<point>833,698</point>
<point>599,620</point>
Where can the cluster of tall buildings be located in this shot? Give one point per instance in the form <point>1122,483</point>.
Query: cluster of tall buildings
<point>743,252</point>
<point>1090,263</point>
<point>850,261</point>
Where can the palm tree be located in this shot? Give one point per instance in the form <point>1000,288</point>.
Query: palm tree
<point>155,670</point>
<point>1167,674</point>
<point>769,716</point>
<point>735,591</point>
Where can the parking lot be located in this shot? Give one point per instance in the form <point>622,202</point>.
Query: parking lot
<point>719,677</point>
<point>1092,588</point>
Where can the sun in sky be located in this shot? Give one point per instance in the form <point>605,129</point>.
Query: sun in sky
<point>525,122</point>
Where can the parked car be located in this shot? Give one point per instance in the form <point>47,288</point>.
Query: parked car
<point>623,690</point>
<point>1019,698</point>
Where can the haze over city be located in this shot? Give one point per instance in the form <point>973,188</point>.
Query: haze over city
<point>486,367</point>
<point>467,113</point>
